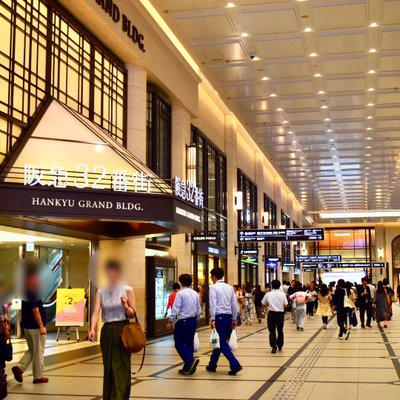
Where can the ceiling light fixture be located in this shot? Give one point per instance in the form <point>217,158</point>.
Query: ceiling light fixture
<point>308,29</point>
<point>371,71</point>
<point>317,75</point>
<point>321,92</point>
<point>279,109</point>
<point>369,129</point>
<point>265,78</point>
<point>313,54</point>
<point>373,25</point>
<point>370,104</point>
<point>255,58</point>
<point>230,5</point>
<point>272,95</point>
<point>244,34</point>
<point>372,51</point>
<point>369,117</point>
<point>371,89</point>
<point>324,106</point>
<point>359,214</point>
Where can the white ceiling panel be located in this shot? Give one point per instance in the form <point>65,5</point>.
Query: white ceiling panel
<point>340,44</point>
<point>280,48</point>
<point>343,66</point>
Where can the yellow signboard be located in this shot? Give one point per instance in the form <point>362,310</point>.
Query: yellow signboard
<point>70,307</point>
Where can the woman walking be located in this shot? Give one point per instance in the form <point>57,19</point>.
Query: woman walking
<point>248,304</point>
<point>299,299</point>
<point>258,295</point>
<point>349,304</point>
<point>324,309</point>
<point>117,304</point>
<point>311,301</point>
<point>381,305</point>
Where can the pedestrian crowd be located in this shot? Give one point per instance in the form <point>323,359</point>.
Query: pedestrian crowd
<point>229,308</point>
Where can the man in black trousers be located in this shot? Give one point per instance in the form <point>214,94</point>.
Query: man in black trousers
<point>365,302</point>
<point>276,301</point>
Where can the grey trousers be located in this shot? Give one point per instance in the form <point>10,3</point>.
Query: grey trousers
<point>35,353</point>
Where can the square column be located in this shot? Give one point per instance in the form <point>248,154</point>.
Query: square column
<point>136,99</point>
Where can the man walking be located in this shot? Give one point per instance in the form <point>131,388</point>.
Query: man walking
<point>223,312</point>
<point>33,322</point>
<point>185,313</point>
<point>365,302</point>
<point>276,301</point>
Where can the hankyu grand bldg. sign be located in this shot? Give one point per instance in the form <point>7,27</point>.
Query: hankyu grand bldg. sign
<point>68,167</point>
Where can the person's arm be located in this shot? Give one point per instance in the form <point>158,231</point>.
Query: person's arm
<point>38,319</point>
<point>176,308</point>
<point>234,310</point>
<point>198,305</point>
<point>130,303</point>
<point>213,305</point>
<point>264,302</point>
<point>95,317</point>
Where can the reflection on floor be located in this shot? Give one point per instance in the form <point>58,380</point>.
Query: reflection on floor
<point>314,364</point>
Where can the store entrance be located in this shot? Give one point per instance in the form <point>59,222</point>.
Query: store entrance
<point>64,264</point>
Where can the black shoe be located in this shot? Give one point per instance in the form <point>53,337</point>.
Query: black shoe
<point>235,371</point>
<point>347,334</point>
<point>183,372</point>
<point>369,326</point>
<point>301,328</point>
<point>211,369</point>
<point>363,326</point>
<point>298,328</point>
<point>194,366</point>
<point>17,372</point>
<point>280,348</point>
<point>273,351</point>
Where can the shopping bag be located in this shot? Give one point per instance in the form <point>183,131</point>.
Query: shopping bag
<point>233,343</point>
<point>238,320</point>
<point>196,343</point>
<point>214,339</point>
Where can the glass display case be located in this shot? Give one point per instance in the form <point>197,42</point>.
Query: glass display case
<point>160,277</point>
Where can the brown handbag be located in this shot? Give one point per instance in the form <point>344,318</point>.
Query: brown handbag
<point>133,337</point>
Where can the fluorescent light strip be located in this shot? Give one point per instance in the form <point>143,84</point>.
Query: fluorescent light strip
<point>359,214</point>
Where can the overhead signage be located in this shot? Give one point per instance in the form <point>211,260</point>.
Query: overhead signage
<point>188,191</point>
<point>280,235</point>
<point>272,264</point>
<point>318,258</point>
<point>205,237</point>
<point>274,259</point>
<point>211,250</point>
<point>249,252</point>
<point>287,267</point>
<point>127,26</point>
<point>328,265</point>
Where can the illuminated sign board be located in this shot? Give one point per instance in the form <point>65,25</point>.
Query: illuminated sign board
<point>280,235</point>
<point>205,237</point>
<point>328,265</point>
<point>318,258</point>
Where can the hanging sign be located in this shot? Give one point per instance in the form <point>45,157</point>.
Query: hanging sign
<point>281,235</point>
<point>188,191</point>
<point>70,307</point>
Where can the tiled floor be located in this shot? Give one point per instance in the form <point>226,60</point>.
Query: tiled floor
<point>313,365</point>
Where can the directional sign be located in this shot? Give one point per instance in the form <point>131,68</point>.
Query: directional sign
<point>249,252</point>
<point>280,235</point>
<point>329,265</point>
<point>319,258</point>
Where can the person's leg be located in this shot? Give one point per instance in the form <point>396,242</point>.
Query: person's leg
<point>325,320</point>
<point>279,326</point>
<point>341,317</point>
<point>272,330</point>
<point>39,342</point>
<point>27,357</point>
<point>369,314</point>
<point>362,314</point>
<point>224,328</point>
<point>312,309</point>
<point>184,337</point>
<point>106,344</point>
<point>301,316</point>
<point>121,368</point>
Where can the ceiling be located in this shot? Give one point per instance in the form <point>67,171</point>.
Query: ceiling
<point>316,83</point>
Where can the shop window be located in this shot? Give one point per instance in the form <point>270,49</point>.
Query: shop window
<point>247,218</point>
<point>159,130</point>
<point>45,52</point>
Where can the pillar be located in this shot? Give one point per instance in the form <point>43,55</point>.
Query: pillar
<point>181,137</point>
<point>260,202</point>
<point>136,103</point>
<point>231,160</point>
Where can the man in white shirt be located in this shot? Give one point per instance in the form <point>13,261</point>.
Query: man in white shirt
<point>185,313</point>
<point>223,313</point>
<point>276,301</point>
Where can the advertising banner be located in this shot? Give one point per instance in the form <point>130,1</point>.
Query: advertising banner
<point>70,307</point>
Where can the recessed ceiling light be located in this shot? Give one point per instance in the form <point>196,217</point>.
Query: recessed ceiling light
<point>369,117</point>
<point>368,155</point>
<point>272,95</point>
<point>367,147</point>
<point>255,58</point>
<point>331,140</point>
<point>329,130</point>
<point>285,122</point>
<point>230,5</point>
<point>279,109</point>
<point>370,104</point>
<point>373,25</point>
<point>244,34</point>
<point>372,51</point>
<point>294,141</point>
<point>308,29</point>
<point>327,119</point>
<point>265,78</point>
<point>290,132</point>
<point>313,54</point>
<point>371,71</point>
<point>369,138</point>
<point>324,106</point>
<point>371,89</point>
<point>317,75</point>
<point>369,129</point>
